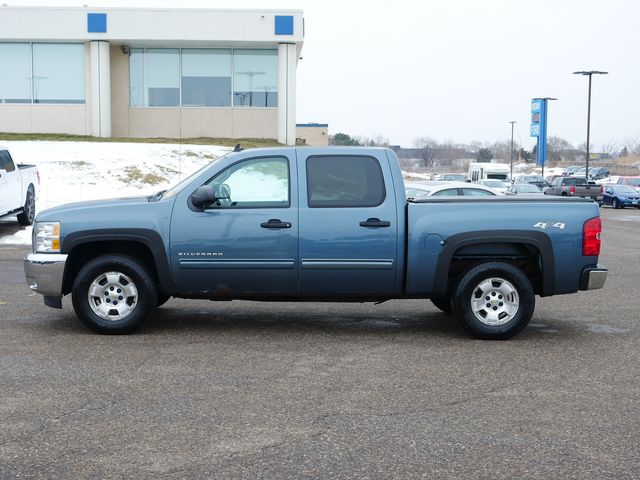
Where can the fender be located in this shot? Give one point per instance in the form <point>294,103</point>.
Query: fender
<point>539,240</point>
<point>150,238</point>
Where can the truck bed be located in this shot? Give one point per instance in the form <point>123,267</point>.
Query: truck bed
<point>439,228</point>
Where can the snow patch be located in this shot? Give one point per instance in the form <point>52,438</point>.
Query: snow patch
<point>79,171</point>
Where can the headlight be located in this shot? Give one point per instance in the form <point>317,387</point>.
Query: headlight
<point>46,238</point>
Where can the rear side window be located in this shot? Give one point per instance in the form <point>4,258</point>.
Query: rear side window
<point>5,161</point>
<point>449,192</point>
<point>476,192</point>
<point>344,181</point>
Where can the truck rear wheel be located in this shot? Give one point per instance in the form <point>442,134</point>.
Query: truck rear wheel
<point>493,301</point>
<point>114,294</point>
<point>29,210</point>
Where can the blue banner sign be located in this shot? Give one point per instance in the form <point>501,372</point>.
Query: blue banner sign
<point>539,127</point>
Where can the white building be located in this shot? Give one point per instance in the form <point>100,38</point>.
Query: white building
<point>132,72</point>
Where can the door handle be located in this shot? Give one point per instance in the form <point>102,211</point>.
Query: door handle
<point>375,222</point>
<point>275,223</point>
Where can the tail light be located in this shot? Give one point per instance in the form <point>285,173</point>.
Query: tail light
<point>38,175</point>
<point>572,190</point>
<point>601,189</point>
<point>591,232</point>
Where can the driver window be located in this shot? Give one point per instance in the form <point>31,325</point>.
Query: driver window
<point>254,183</point>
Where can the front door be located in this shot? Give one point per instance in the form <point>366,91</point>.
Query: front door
<point>246,243</point>
<point>348,225</point>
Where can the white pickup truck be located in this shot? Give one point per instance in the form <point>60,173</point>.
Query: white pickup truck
<point>18,188</point>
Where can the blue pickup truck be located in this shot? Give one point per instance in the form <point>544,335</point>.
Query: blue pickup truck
<point>329,224</point>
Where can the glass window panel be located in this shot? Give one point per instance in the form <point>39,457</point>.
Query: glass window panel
<point>206,77</point>
<point>448,192</point>
<point>15,79</point>
<point>58,73</point>
<point>255,183</point>
<point>136,77</point>
<point>163,77</point>
<point>344,181</point>
<point>476,192</point>
<point>255,78</point>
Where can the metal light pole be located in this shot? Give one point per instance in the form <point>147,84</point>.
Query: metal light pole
<point>511,174</point>
<point>589,73</point>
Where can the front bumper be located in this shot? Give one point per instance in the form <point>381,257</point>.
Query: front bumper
<point>44,273</point>
<point>593,277</point>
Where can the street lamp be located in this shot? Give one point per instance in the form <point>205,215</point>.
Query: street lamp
<point>589,73</point>
<point>512,122</point>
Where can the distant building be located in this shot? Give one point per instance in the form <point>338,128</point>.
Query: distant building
<point>313,134</point>
<point>140,72</point>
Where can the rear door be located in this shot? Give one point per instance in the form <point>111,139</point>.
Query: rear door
<point>10,184</point>
<point>348,224</point>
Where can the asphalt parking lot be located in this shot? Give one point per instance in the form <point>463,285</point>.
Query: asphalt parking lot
<point>398,390</point>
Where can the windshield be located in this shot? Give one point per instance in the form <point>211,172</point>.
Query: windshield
<point>528,188</point>
<point>493,184</point>
<point>454,177</point>
<point>173,191</point>
<point>633,181</point>
<point>533,178</point>
<point>624,190</point>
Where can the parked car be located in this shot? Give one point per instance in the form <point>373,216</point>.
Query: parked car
<point>533,179</point>
<point>523,189</point>
<point>497,185</point>
<point>549,179</point>
<point>571,170</point>
<point>453,177</point>
<point>620,196</point>
<point>18,188</point>
<point>598,173</point>
<point>444,188</point>
<point>574,187</point>
<point>633,182</point>
<point>328,224</point>
<point>488,171</point>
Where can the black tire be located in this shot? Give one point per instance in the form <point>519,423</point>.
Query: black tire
<point>140,306</point>
<point>615,204</point>
<point>443,303</point>
<point>29,210</point>
<point>162,299</point>
<point>500,277</point>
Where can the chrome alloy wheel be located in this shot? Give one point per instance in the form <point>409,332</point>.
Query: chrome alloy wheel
<point>112,296</point>
<point>494,301</point>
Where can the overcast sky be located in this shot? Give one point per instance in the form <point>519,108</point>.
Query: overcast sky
<point>458,69</point>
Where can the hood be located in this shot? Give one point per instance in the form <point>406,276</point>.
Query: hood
<point>53,214</point>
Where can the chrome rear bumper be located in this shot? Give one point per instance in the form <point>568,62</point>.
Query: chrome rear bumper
<point>593,278</point>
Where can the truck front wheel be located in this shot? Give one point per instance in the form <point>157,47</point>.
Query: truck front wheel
<point>493,301</point>
<point>114,294</point>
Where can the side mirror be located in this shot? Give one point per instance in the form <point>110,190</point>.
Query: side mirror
<point>201,198</point>
<point>2,172</point>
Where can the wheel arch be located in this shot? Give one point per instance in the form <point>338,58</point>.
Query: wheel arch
<point>533,249</point>
<point>146,246</point>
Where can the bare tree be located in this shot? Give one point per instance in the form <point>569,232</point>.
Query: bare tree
<point>448,152</point>
<point>609,148</point>
<point>427,147</point>
<point>632,145</point>
<point>557,148</point>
